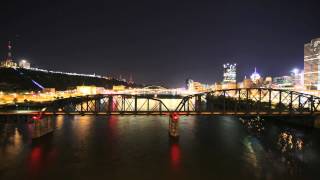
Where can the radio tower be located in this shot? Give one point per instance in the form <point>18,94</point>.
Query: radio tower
<point>8,62</point>
<point>9,58</point>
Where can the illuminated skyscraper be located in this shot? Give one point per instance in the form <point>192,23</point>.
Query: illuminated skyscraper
<point>312,65</point>
<point>229,73</point>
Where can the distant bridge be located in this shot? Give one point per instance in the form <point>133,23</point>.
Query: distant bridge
<point>251,101</point>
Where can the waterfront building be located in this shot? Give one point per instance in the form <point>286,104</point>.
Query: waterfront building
<point>312,65</point>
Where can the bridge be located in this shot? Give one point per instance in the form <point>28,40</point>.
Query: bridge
<point>241,102</point>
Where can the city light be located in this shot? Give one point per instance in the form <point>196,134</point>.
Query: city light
<point>229,73</point>
<point>255,76</point>
<point>295,71</point>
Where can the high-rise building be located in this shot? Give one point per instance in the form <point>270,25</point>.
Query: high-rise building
<point>255,76</point>
<point>229,73</point>
<point>312,65</point>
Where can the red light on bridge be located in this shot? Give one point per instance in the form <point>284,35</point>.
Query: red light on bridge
<point>36,117</point>
<point>174,116</point>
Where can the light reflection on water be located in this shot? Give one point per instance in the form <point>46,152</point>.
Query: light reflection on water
<point>138,147</point>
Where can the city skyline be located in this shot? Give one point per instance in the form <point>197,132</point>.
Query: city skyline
<point>159,89</point>
<point>229,70</point>
<point>175,42</point>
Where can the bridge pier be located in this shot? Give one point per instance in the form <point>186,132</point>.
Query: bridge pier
<point>174,125</point>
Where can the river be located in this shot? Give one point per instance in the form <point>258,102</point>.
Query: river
<point>138,147</point>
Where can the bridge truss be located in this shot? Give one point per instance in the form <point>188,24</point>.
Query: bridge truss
<point>251,101</point>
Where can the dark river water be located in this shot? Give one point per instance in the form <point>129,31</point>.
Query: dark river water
<point>138,147</point>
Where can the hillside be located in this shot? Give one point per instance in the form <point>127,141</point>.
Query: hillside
<point>25,80</point>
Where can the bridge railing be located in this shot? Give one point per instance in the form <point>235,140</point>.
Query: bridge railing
<point>232,101</point>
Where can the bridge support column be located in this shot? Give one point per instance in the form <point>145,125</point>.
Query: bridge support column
<point>247,101</point>
<point>224,102</point>
<point>260,102</point>
<point>299,106</point>
<point>135,104</point>
<point>123,104</point>
<point>87,105</point>
<point>148,106</point>
<point>198,103</point>
<point>110,104</point>
<point>188,106</point>
<point>312,105</point>
<point>291,104</point>
<point>174,125</point>
<point>280,103</point>
<point>270,101</point>
<point>160,108</point>
<point>97,106</point>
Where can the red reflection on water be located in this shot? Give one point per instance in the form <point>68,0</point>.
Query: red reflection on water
<point>113,121</point>
<point>112,137</point>
<point>175,153</point>
<point>34,161</point>
<point>39,159</point>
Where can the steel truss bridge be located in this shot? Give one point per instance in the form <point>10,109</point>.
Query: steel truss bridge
<point>251,101</point>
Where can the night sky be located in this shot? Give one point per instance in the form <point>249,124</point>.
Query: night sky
<point>160,42</point>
